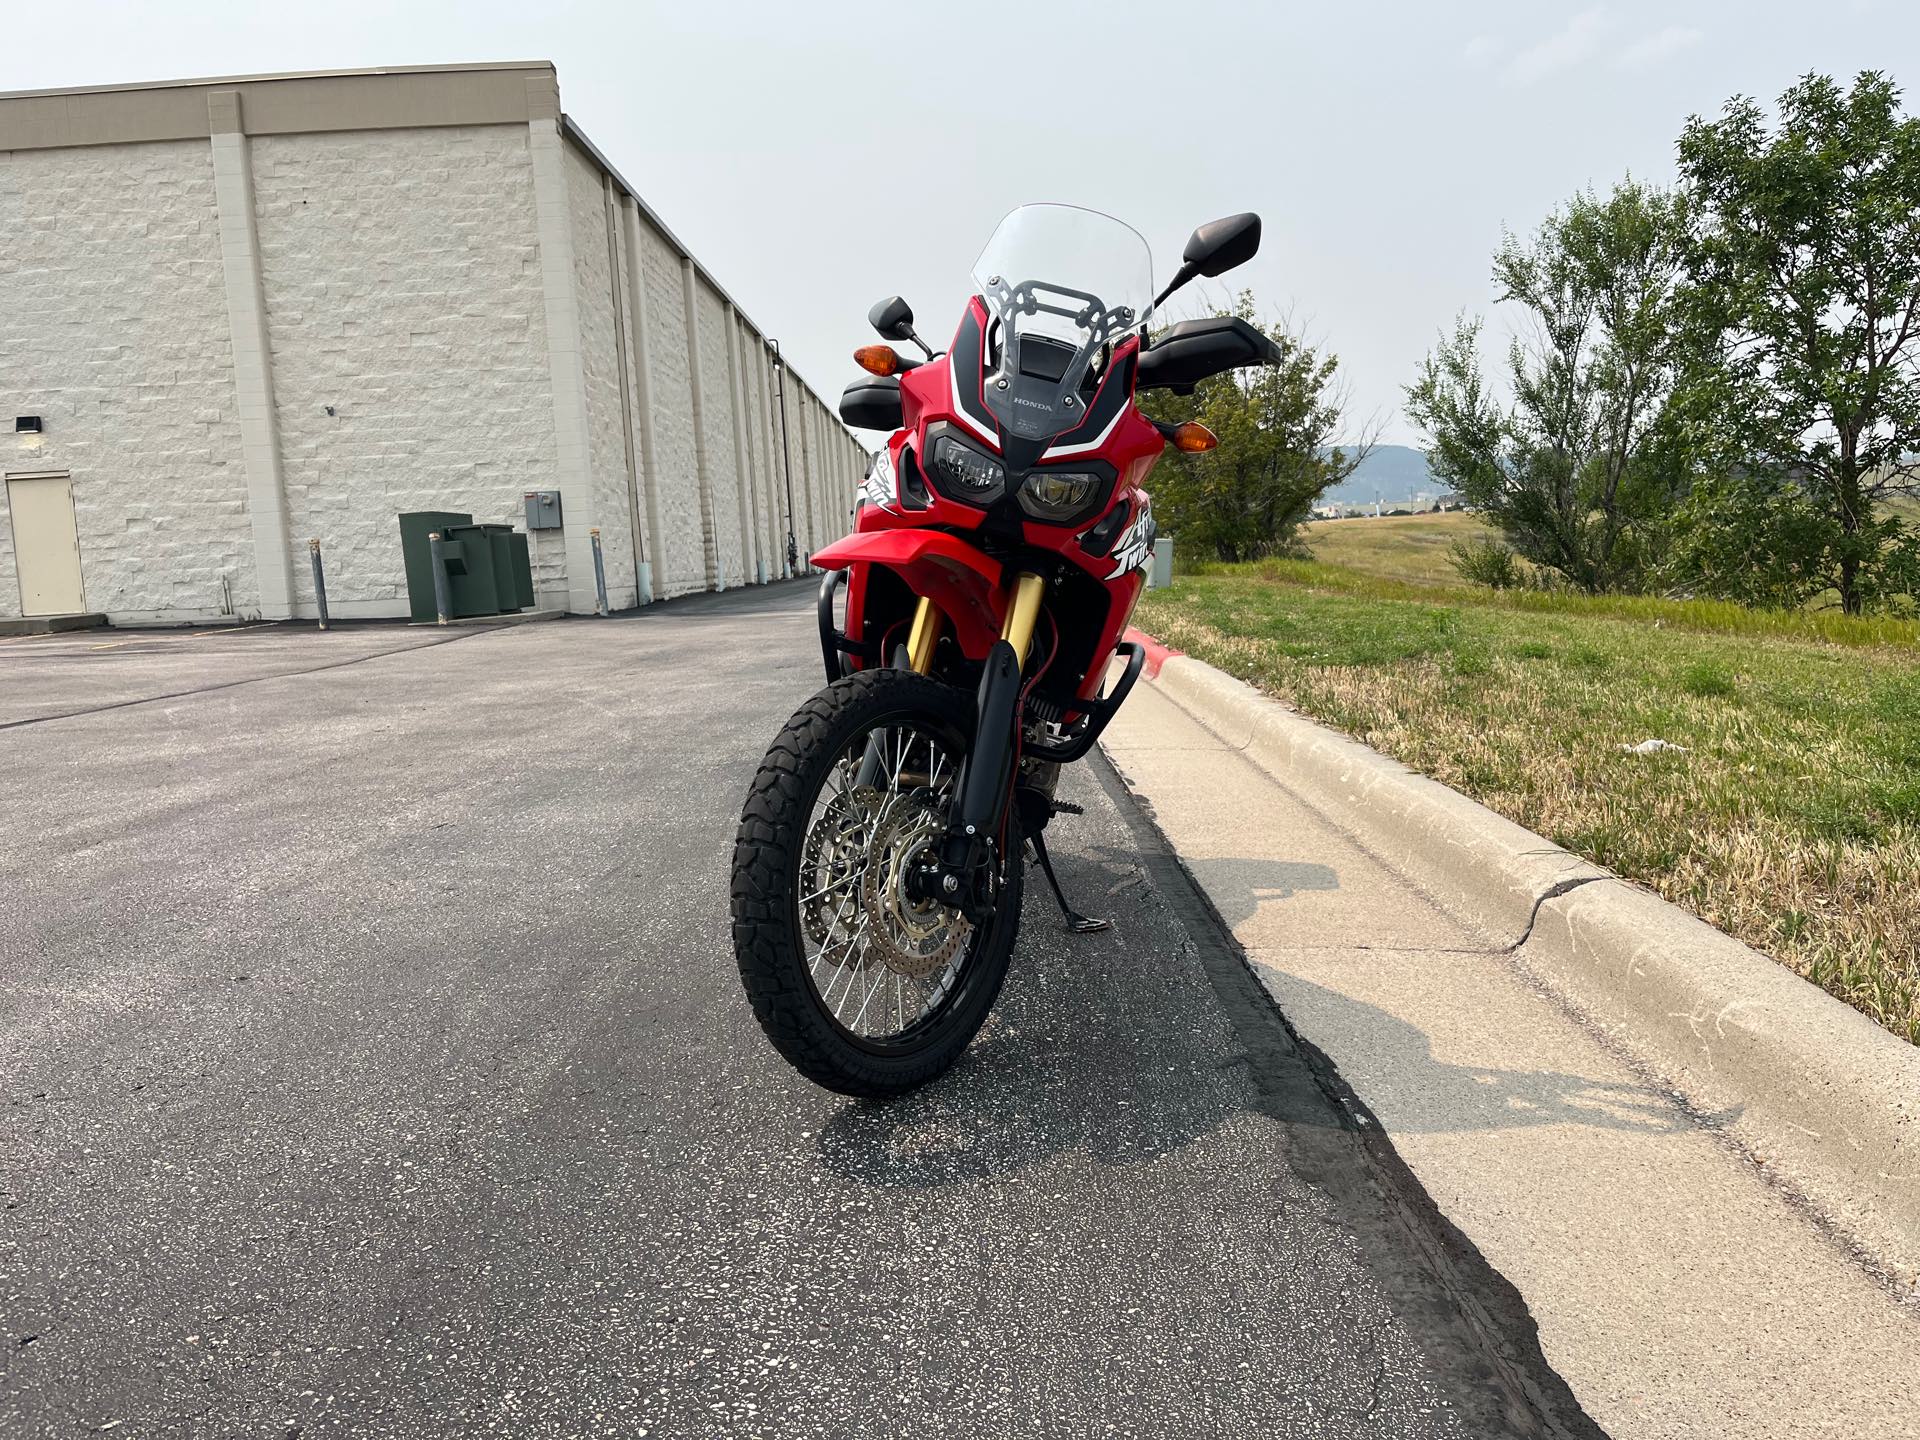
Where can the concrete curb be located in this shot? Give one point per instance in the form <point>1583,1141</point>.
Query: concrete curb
<point>51,624</point>
<point>1824,1098</point>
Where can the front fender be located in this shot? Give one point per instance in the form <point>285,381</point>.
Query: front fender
<point>945,569</point>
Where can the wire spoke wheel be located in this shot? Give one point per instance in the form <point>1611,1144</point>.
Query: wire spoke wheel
<point>865,986</point>
<point>880,960</point>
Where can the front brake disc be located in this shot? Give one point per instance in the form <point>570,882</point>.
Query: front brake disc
<point>830,866</point>
<point>910,937</point>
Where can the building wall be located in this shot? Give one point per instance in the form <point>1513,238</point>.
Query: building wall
<point>441,314</point>
<point>681,539</point>
<point>113,329</point>
<point>601,341</point>
<point>766,394</point>
<point>400,270</point>
<point>716,418</point>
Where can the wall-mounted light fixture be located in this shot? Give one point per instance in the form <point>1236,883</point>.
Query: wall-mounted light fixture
<point>26,424</point>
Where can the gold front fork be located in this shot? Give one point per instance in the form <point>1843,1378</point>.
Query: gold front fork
<point>924,635</point>
<point>1024,613</point>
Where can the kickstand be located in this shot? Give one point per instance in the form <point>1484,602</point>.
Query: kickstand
<point>1076,922</point>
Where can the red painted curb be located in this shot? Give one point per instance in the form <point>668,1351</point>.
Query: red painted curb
<point>1157,654</point>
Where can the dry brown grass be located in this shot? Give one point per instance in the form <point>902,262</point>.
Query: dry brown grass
<point>1412,548</point>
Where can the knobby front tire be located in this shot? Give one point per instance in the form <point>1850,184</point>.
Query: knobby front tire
<point>782,981</point>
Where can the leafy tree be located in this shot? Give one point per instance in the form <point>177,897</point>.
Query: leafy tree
<point>1577,471</point>
<point>1749,537</point>
<point>1805,303</point>
<point>1276,425</point>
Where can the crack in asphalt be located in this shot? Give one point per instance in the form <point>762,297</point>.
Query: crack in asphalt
<point>248,680</point>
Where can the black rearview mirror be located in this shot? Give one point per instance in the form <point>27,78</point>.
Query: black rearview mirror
<point>1219,245</point>
<point>893,318</point>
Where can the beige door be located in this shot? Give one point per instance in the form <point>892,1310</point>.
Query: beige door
<point>46,546</point>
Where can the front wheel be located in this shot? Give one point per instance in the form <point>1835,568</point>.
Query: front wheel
<point>864,988</point>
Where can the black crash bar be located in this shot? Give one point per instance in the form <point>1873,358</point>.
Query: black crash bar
<point>1097,712</point>
<point>835,646</point>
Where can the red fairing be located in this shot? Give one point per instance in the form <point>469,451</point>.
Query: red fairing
<point>915,535</point>
<point>944,568</point>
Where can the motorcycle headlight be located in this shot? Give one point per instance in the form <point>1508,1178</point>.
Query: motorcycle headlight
<point>966,473</point>
<point>1057,494</point>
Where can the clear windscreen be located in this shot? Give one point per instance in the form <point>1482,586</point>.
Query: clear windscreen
<point>1065,284</point>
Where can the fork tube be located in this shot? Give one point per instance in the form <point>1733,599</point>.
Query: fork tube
<point>928,620</point>
<point>1023,613</point>
<point>922,636</point>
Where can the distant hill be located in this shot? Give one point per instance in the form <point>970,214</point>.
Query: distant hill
<point>1389,473</point>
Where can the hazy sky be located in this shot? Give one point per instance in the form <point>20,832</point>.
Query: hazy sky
<point>818,157</point>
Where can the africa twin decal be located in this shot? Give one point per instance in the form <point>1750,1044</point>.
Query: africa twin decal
<point>880,487</point>
<point>1135,546</point>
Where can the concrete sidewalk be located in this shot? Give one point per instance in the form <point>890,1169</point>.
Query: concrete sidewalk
<point>1676,1290</point>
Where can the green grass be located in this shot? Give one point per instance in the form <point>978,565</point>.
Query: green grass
<point>1717,617</point>
<point>1405,556</point>
<point>1792,820</point>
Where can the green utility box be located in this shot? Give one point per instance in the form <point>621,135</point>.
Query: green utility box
<point>483,583</point>
<point>522,569</point>
<point>488,568</point>
<point>418,557</point>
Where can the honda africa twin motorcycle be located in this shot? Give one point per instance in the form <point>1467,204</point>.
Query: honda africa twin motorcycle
<point>996,557</point>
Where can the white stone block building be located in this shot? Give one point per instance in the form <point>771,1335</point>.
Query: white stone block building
<point>238,315</point>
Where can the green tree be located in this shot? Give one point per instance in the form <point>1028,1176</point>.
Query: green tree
<point>1805,303</point>
<point>1577,471</point>
<point>1276,455</point>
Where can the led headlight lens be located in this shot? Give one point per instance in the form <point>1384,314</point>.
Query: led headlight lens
<point>1057,494</point>
<point>966,473</point>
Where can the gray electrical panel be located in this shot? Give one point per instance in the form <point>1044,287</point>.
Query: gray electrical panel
<point>543,509</point>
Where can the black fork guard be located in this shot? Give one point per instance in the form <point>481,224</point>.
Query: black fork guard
<point>984,789</point>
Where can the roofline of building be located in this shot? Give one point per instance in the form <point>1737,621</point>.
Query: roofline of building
<point>571,129</point>
<point>271,75</point>
<point>294,104</point>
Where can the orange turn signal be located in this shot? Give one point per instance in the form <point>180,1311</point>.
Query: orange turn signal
<point>1193,437</point>
<point>877,359</point>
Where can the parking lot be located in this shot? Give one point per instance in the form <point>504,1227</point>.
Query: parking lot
<point>372,1061</point>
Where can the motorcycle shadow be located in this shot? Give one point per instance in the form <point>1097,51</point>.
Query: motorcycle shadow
<point>1111,1046</point>
<point>1129,1046</point>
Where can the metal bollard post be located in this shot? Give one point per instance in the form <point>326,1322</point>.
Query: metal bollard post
<point>441,604</point>
<point>319,582</point>
<point>599,573</point>
<point>1161,575</point>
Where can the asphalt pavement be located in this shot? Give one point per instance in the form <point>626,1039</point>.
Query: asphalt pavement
<point>373,1062</point>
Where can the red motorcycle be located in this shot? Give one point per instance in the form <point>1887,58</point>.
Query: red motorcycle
<point>996,558</point>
